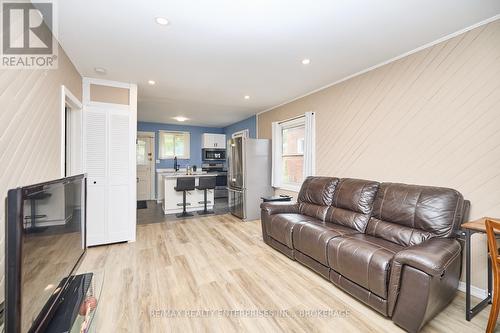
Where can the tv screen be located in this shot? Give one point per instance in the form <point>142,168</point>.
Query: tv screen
<point>45,241</point>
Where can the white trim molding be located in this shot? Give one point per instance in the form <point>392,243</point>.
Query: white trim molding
<point>243,133</point>
<point>310,145</point>
<point>418,49</point>
<point>474,291</point>
<point>107,83</point>
<point>307,121</point>
<point>68,98</point>
<point>87,81</point>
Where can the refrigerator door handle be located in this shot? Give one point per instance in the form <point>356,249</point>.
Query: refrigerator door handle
<point>230,164</point>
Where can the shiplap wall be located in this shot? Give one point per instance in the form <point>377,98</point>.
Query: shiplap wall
<point>30,129</point>
<point>431,118</point>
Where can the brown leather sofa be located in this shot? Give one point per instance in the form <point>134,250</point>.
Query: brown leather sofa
<point>390,245</point>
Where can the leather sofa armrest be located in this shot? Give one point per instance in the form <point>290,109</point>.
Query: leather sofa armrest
<point>279,207</point>
<point>429,283</point>
<point>432,256</point>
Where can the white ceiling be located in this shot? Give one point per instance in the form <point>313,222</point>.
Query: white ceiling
<point>215,52</point>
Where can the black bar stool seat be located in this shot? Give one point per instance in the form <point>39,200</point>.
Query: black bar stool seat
<point>205,184</point>
<point>184,185</point>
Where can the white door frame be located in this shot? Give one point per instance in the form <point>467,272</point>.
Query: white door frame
<point>151,135</point>
<point>132,109</point>
<point>243,133</point>
<point>76,141</point>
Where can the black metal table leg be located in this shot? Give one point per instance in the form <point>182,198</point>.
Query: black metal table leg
<point>467,275</point>
<point>471,312</point>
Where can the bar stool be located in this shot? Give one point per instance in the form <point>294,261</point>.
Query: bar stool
<point>184,185</point>
<point>205,184</point>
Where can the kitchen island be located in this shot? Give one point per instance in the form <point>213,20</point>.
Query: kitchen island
<point>171,197</point>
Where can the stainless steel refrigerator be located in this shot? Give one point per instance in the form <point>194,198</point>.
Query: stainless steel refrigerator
<point>249,176</point>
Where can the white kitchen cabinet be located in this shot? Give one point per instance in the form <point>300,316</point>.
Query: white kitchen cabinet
<point>110,164</point>
<point>207,141</point>
<point>211,140</point>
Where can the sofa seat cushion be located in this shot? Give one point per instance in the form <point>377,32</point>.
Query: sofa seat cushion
<point>312,238</point>
<point>280,226</point>
<point>365,260</point>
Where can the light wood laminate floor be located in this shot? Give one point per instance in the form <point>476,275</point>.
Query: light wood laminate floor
<point>220,264</point>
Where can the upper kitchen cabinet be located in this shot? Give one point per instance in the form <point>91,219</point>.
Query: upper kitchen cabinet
<point>210,140</point>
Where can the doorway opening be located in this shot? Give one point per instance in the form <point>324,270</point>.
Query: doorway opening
<point>71,134</point>
<point>145,156</point>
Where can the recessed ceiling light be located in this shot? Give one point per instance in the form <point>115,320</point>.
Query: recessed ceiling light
<point>100,70</point>
<point>306,61</point>
<point>180,118</point>
<point>246,97</point>
<point>161,21</point>
<point>151,82</point>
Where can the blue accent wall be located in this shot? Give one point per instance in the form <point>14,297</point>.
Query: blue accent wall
<point>195,144</point>
<point>249,123</point>
<point>196,134</point>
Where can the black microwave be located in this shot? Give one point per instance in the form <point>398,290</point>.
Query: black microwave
<point>210,154</point>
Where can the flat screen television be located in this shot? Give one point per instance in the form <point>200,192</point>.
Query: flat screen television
<point>45,242</point>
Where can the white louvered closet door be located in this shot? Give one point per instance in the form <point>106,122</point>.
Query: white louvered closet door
<point>119,175</point>
<point>108,156</point>
<point>109,133</point>
<point>95,136</point>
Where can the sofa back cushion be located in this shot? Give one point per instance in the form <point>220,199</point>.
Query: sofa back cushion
<point>410,214</point>
<point>352,203</point>
<point>316,195</point>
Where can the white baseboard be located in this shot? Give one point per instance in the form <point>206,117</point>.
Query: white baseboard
<point>474,291</point>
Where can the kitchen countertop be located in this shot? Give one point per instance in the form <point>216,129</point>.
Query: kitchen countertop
<point>182,174</point>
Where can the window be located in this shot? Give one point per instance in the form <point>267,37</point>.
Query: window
<point>293,152</point>
<point>292,155</point>
<point>174,144</point>
<point>141,152</point>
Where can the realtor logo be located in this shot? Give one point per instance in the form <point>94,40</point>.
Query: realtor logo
<point>27,35</point>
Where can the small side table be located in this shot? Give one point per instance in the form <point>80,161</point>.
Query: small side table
<point>468,229</point>
<point>276,198</point>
